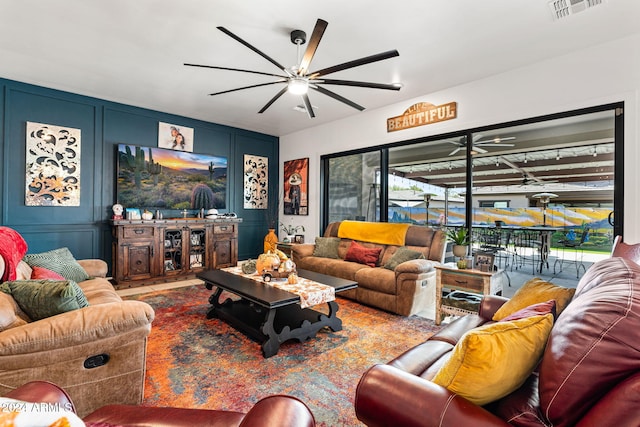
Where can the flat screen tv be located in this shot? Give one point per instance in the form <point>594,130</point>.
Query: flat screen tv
<point>159,178</point>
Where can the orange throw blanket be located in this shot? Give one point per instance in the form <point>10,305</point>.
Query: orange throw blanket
<point>383,233</point>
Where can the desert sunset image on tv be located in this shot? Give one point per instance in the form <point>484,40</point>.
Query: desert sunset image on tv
<point>150,177</point>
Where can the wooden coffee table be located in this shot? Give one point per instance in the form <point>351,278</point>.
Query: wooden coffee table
<point>269,315</point>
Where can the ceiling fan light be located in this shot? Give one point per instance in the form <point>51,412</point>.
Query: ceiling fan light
<point>298,86</point>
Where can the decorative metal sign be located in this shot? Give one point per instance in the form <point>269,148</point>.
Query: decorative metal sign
<point>422,113</point>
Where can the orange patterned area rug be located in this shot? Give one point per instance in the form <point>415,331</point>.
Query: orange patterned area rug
<point>195,362</point>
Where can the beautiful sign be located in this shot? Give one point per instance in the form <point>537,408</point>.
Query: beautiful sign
<point>422,113</point>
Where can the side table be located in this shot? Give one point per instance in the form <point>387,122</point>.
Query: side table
<point>467,280</point>
<point>285,247</point>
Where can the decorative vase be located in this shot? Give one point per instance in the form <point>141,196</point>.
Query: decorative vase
<point>460,250</point>
<point>270,241</point>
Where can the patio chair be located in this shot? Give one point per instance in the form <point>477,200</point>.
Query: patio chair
<point>527,247</point>
<point>576,248</point>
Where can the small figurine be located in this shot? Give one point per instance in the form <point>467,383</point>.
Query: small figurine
<point>117,211</point>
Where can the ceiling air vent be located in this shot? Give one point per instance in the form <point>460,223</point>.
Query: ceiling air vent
<point>565,8</point>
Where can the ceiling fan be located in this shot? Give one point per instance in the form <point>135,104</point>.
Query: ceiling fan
<point>298,79</point>
<point>480,143</point>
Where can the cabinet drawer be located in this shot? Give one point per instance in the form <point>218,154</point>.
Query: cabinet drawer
<point>459,280</point>
<point>138,232</point>
<point>224,228</point>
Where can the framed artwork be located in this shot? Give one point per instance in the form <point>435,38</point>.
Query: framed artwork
<point>296,185</point>
<point>256,182</point>
<point>133,213</point>
<point>151,177</point>
<point>53,165</point>
<point>299,238</point>
<point>483,261</point>
<point>175,137</point>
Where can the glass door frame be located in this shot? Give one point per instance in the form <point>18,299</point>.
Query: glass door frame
<point>618,202</point>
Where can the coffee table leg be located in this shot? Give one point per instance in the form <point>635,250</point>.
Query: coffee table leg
<point>272,344</point>
<point>213,300</point>
<point>333,321</point>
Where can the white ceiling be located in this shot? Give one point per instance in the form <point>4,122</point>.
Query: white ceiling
<point>132,51</point>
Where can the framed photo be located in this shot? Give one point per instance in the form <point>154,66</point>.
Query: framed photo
<point>175,137</point>
<point>133,213</point>
<point>299,238</point>
<point>483,261</point>
<point>296,187</point>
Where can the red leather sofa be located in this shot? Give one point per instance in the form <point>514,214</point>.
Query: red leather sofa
<point>589,374</point>
<point>272,411</point>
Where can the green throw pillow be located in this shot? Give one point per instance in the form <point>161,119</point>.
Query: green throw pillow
<point>40,299</point>
<point>403,254</point>
<point>61,261</point>
<point>327,247</point>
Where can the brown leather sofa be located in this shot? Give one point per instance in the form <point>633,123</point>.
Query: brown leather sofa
<point>408,290</point>
<point>589,374</point>
<point>272,411</point>
<point>97,353</point>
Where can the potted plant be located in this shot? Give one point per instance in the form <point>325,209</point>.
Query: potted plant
<point>290,231</point>
<point>460,239</point>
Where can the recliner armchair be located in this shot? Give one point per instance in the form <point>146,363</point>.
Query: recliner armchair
<point>275,410</point>
<point>589,374</point>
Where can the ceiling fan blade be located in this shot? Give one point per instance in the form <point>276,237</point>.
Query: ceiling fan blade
<point>355,63</point>
<point>274,99</point>
<point>337,97</point>
<point>357,84</point>
<point>314,41</point>
<point>496,140</point>
<point>233,69</point>
<point>308,106</point>
<point>247,87</point>
<point>479,150</point>
<point>455,151</point>
<point>253,48</point>
<point>493,144</point>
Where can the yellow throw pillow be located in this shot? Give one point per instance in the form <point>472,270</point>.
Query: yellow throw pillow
<point>535,291</point>
<point>494,360</point>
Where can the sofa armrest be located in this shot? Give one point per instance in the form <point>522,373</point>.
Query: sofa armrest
<point>302,250</point>
<point>76,327</point>
<point>279,410</point>
<point>387,396</point>
<point>415,266</point>
<point>94,267</point>
<point>489,305</point>
<point>44,392</point>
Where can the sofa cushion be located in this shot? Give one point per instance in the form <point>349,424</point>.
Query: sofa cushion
<point>400,255</point>
<point>61,261</point>
<point>326,247</point>
<point>533,310</point>
<point>535,291</point>
<point>9,312</point>
<point>378,279</point>
<point>41,273</point>
<point>493,360</point>
<point>362,255</point>
<point>595,343</point>
<point>40,299</point>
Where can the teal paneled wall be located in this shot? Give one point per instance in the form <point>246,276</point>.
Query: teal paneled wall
<point>103,124</point>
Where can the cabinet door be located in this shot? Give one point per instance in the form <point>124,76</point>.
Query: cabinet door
<point>137,260</point>
<point>225,251</point>
<point>173,250</point>
<point>197,249</point>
